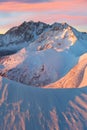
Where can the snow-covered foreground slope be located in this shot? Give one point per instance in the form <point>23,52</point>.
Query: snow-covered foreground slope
<point>28,108</point>
<point>76,77</point>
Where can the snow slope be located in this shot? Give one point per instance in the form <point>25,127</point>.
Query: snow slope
<point>21,36</point>
<point>37,68</point>
<point>28,108</point>
<point>47,59</point>
<point>76,77</point>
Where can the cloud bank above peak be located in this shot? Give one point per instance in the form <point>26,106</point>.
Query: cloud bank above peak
<point>14,12</point>
<point>26,1</point>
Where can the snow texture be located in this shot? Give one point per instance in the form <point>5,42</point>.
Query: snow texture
<point>28,108</point>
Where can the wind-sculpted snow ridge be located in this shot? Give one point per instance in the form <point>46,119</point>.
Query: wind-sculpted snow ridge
<point>76,77</point>
<point>29,108</point>
<point>51,56</point>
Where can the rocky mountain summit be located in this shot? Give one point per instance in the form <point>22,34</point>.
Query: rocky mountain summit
<point>48,52</point>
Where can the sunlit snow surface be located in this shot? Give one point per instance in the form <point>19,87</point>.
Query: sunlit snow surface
<point>28,108</point>
<point>75,78</point>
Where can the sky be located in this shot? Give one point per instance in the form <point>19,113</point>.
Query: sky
<point>15,12</point>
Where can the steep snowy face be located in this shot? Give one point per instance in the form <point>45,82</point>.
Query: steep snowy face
<point>61,37</point>
<point>21,36</point>
<point>27,108</point>
<point>75,78</point>
<point>59,40</point>
<point>28,30</point>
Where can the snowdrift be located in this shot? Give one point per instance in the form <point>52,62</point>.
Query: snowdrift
<point>28,108</point>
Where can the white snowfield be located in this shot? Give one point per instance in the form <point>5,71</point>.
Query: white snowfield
<point>48,58</point>
<point>76,77</point>
<point>29,108</point>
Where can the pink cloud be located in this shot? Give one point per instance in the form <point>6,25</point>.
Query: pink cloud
<point>64,6</point>
<point>70,11</point>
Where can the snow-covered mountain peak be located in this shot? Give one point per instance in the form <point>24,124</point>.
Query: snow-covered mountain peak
<point>26,26</point>
<point>22,35</point>
<point>58,36</point>
<point>59,26</point>
<point>54,51</point>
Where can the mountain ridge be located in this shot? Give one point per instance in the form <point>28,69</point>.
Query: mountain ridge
<point>46,59</point>
<point>22,35</point>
